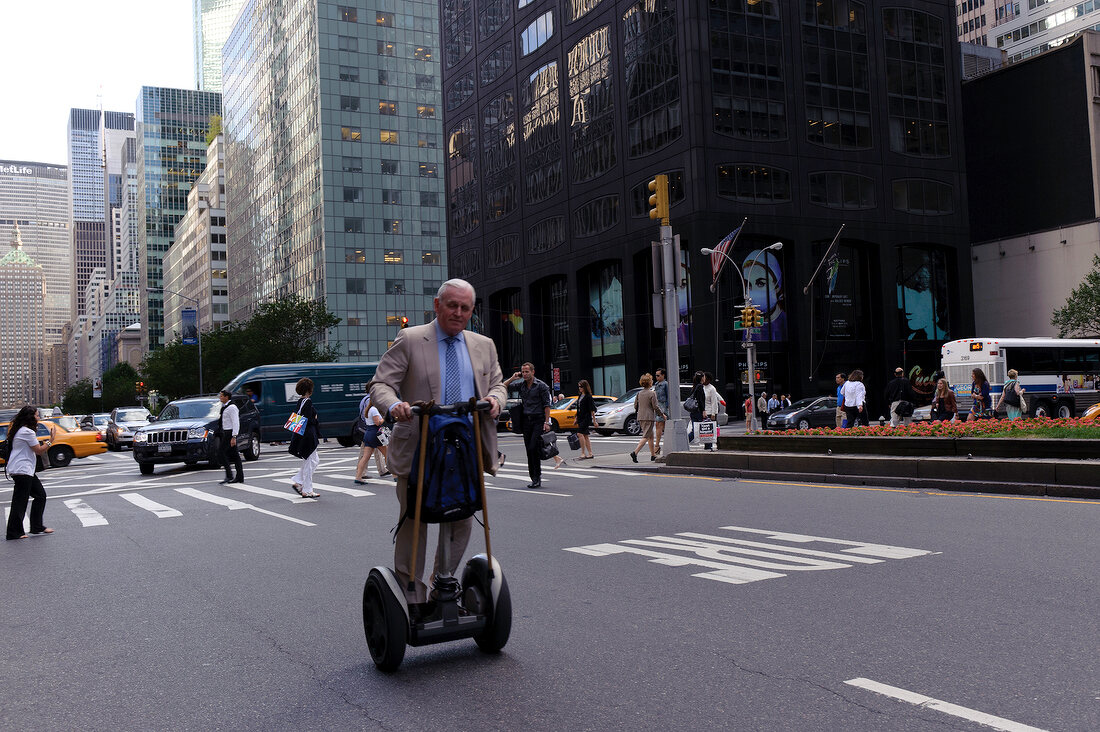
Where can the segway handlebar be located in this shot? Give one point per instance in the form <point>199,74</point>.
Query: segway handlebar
<point>459,408</point>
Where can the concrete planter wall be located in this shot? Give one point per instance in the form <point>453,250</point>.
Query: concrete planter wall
<point>989,447</point>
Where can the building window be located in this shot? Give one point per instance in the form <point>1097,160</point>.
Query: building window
<point>916,83</point>
<point>422,53</point>
<point>925,197</point>
<point>355,256</point>
<point>842,190</point>
<point>426,82</point>
<point>536,34</point>
<point>349,104</point>
<point>391,196</point>
<point>639,194</point>
<point>458,30</point>
<point>596,217</point>
<point>429,228</point>
<point>393,256</point>
<point>352,165</point>
<point>352,134</point>
<point>389,167</point>
<point>754,183</point>
<point>496,64</point>
<point>353,225</point>
<point>541,134</point>
<point>427,139</point>
<point>385,48</point>
<point>836,74</point>
<point>580,8</point>
<point>383,77</point>
<point>499,153</point>
<point>395,287</point>
<point>747,75</point>
<point>346,14</point>
<point>347,43</point>
<point>429,170</point>
<point>460,90</point>
<point>546,235</point>
<point>430,258</point>
<point>924,305</point>
<point>425,111</point>
<point>353,195</point>
<point>384,19</point>
<point>388,137</point>
<point>462,177</point>
<point>355,285</point>
<point>388,108</point>
<point>652,75</point>
<point>430,199</point>
<point>349,73</point>
<point>494,14</point>
<point>391,226</point>
<point>591,98</point>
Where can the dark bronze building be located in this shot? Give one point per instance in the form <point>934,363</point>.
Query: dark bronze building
<point>797,116</point>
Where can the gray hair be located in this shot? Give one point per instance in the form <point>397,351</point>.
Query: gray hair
<point>456,284</point>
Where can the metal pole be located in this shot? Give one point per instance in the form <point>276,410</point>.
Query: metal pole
<point>198,335</point>
<point>750,350</point>
<point>678,437</point>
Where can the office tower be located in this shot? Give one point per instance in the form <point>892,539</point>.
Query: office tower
<point>1024,29</point>
<point>90,134</point>
<point>172,128</point>
<point>22,327</point>
<point>213,20</point>
<point>334,162</point>
<point>195,265</point>
<point>119,144</point>
<point>36,196</point>
<point>799,116</point>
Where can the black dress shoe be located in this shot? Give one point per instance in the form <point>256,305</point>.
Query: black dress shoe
<point>537,484</point>
<point>227,481</point>
<point>634,457</point>
<point>239,479</point>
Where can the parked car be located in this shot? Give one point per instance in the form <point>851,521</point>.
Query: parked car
<point>618,415</point>
<point>804,414</point>
<point>121,425</point>
<point>184,432</point>
<point>67,444</point>
<point>96,422</point>
<point>337,390</point>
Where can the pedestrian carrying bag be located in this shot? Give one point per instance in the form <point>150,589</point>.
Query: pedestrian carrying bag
<point>904,409</point>
<point>690,404</point>
<point>296,424</point>
<point>574,441</point>
<point>549,447</point>
<point>451,487</point>
<point>1012,399</point>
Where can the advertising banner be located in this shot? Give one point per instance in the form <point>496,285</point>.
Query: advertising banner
<point>189,325</point>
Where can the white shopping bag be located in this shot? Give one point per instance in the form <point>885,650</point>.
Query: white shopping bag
<point>708,433</point>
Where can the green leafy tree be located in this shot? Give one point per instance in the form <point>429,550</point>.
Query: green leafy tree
<point>78,398</point>
<point>1080,316</point>
<point>215,128</point>
<point>118,386</point>
<point>291,330</point>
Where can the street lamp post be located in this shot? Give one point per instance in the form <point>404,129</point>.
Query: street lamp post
<point>747,344</point>
<point>199,330</point>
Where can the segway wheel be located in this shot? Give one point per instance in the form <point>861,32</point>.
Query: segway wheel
<point>384,624</point>
<point>499,626</point>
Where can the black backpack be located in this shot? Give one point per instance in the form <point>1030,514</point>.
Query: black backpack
<point>451,487</point>
<point>1012,399</point>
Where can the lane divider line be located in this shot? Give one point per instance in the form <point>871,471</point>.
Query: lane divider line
<point>927,702</point>
<point>88,516</point>
<point>233,505</point>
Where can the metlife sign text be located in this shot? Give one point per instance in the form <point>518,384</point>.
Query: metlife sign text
<point>17,169</point>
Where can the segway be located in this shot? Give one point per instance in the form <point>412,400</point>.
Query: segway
<point>479,607</point>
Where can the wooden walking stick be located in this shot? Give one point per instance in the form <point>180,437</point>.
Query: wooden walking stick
<point>424,416</point>
<point>481,482</point>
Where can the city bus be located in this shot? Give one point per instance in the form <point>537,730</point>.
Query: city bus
<point>1060,375</point>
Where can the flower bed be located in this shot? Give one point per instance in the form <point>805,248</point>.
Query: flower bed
<point>1019,428</point>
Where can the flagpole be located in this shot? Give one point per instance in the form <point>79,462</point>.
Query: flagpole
<point>829,251</point>
<point>718,297</point>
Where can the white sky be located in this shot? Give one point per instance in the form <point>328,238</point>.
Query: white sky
<point>59,54</point>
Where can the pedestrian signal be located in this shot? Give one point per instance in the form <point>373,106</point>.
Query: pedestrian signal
<point>404,321</point>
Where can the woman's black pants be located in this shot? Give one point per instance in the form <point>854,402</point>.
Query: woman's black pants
<point>26,488</point>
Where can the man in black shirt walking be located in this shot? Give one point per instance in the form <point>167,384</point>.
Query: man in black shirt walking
<point>897,391</point>
<point>534,418</point>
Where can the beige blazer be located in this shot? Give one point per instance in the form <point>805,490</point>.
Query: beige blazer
<point>409,371</point>
<point>645,403</point>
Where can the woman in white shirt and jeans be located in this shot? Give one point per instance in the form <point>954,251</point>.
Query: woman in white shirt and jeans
<point>855,399</point>
<point>22,461</point>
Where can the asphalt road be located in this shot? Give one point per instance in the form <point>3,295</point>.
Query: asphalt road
<point>641,602</point>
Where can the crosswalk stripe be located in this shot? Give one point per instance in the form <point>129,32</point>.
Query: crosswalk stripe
<point>292,497</point>
<point>333,488</point>
<point>159,509</point>
<point>233,505</point>
<point>88,516</point>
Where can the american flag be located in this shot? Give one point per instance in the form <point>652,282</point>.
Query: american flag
<point>721,251</point>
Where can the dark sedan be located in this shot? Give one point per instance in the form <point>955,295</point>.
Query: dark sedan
<point>804,414</point>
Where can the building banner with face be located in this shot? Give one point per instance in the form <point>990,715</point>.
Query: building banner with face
<point>764,274</point>
<point>189,325</point>
<point>922,294</point>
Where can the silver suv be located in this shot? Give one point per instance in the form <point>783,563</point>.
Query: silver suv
<point>620,416</point>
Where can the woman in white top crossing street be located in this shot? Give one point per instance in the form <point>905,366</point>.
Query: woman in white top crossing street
<point>855,399</point>
<point>23,455</point>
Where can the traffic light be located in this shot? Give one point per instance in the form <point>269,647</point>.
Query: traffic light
<point>746,317</point>
<point>404,321</point>
<point>138,386</point>
<point>658,201</point>
<point>757,319</point>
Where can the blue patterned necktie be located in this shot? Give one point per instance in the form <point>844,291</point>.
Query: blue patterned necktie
<point>452,385</point>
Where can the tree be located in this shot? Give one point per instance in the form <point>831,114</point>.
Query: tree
<point>215,128</point>
<point>78,398</point>
<point>118,386</point>
<point>291,330</point>
<point>1080,316</point>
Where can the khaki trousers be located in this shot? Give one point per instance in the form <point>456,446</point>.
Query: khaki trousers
<point>840,417</point>
<point>402,550</point>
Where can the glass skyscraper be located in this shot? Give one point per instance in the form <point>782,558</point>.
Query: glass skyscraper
<point>213,21</point>
<point>172,127</point>
<point>334,162</point>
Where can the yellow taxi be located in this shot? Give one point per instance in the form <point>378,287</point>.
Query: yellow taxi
<point>67,444</point>
<point>563,412</point>
<point>1091,414</point>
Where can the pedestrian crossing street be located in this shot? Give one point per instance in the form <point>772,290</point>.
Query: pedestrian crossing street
<point>109,490</point>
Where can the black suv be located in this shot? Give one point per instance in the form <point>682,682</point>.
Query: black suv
<point>184,432</point>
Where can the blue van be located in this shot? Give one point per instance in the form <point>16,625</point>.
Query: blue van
<point>337,391</point>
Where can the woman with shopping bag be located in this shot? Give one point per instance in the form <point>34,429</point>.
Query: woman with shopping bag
<point>307,430</point>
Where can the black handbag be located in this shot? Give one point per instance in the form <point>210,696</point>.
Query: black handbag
<point>574,441</point>
<point>549,447</point>
<point>302,446</point>
<point>691,405</point>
